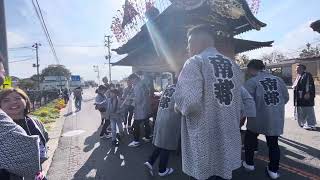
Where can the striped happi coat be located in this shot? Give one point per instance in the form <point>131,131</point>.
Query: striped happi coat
<point>208,96</point>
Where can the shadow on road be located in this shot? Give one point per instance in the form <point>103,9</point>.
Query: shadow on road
<point>302,147</point>
<point>107,162</point>
<point>92,140</point>
<point>292,166</point>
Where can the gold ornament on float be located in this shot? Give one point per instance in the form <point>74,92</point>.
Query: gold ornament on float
<point>188,4</point>
<point>227,8</point>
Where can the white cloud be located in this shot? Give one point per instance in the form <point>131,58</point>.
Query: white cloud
<point>89,52</point>
<point>15,39</point>
<point>298,38</point>
<point>282,6</point>
<point>291,43</point>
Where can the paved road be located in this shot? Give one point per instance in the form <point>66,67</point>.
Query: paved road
<point>82,155</point>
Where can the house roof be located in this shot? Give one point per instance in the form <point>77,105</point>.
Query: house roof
<point>288,62</point>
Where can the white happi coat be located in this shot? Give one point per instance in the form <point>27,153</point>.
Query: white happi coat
<point>166,132</point>
<point>271,95</point>
<point>208,96</point>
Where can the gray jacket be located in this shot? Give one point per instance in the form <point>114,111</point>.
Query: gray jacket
<point>168,124</point>
<point>19,153</point>
<point>114,108</point>
<point>270,94</point>
<point>142,101</point>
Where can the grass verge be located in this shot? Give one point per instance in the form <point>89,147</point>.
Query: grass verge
<point>49,113</point>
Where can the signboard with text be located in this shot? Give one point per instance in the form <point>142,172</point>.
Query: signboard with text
<point>75,78</point>
<point>7,82</point>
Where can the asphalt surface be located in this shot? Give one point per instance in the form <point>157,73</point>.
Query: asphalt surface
<point>81,154</point>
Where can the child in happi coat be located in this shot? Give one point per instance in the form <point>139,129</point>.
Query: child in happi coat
<point>115,116</point>
<point>166,133</point>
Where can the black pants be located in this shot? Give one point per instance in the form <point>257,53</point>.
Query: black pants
<point>128,115</point>
<point>164,158</point>
<point>251,143</point>
<point>66,99</point>
<point>5,175</point>
<point>136,129</point>
<point>104,127</point>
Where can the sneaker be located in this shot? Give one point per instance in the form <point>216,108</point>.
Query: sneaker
<point>105,136</point>
<point>115,143</point>
<point>146,139</point>
<point>108,130</point>
<point>134,144</point>
<point>247,167</point>
<point>310,128</point>
<point>102,136</point>
<point>255,151</point>
<point>108,136</point>
<point>149,168</point>
<point>167,172</point>
<point>272,175</point>
<point>313,128</point>
<point>119,136</point>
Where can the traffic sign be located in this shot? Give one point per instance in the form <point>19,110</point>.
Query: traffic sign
<point>75,78</point>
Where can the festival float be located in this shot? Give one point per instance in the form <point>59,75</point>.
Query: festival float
<point>153,33</point>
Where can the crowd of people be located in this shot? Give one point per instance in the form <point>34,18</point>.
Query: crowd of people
<point>201,113</point>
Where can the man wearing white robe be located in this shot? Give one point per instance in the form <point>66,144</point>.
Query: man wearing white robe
<point>208,96</point>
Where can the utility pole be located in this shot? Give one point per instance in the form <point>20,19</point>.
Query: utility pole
<point>37,65</point>
<point>96,69</point>
<point>107,43</point>
<point>3,37</point>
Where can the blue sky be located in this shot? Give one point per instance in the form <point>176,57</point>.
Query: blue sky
<point>74,23</point>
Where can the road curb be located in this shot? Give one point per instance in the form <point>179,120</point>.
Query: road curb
<point>54,137</point>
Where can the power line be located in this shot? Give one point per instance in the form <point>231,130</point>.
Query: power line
<point>60,45</point>
<point>22,60</point>
<point>48,34</point>
<point>74,45</point>
<point>25,56</point>
<point>45,29</point>
<point>19,48</point>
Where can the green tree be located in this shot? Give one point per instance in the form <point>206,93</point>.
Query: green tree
<point>56,70</point>
<point>27,83</point>
<point>35,78</point>
<point>310,51</point>
<point>242,60</point>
